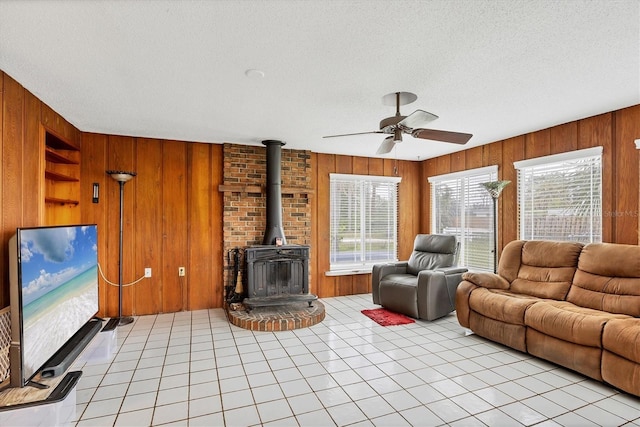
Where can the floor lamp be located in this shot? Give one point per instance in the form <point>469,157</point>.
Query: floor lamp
<point>494,188</point>
<point>122,177</point>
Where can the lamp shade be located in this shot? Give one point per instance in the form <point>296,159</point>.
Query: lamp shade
<point>121,176</point>
<point>495,187</point>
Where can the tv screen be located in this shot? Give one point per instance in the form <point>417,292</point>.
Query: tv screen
<point>55,290</point>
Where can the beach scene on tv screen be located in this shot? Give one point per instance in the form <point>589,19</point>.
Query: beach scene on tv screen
<point>59,274</point>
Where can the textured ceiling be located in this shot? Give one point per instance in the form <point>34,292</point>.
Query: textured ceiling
<point>176,69</point>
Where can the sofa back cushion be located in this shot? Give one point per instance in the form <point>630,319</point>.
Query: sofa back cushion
<point>432,251</point>
<point>608,279</point>
<point>545,270</point>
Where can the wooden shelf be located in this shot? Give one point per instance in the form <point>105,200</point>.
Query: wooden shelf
<point>57,143</point>
<point>61,183</point>
<point>52,156</point>
<point>60,201</point>
<point>55,176</point>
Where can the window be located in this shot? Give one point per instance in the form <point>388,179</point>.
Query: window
<point>461,206</point>
<point>364,221</point>
<point>560,196</point>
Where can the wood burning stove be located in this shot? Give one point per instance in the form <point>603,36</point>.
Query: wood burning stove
<point>276,273</point>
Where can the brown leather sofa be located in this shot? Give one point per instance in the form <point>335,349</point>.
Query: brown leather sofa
<point>572,304</point>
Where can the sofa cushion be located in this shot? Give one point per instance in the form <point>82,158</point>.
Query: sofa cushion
<point>569,322</point>
<point>621,355</point>
<point>608,279</point>
<point>501,305</point>
<point>546,269</point>
<point>622,337</point>
<point>399,292</point>
<point>399,278</point>
<point>581,358</point>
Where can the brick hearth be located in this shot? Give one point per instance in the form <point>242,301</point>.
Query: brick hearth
<point>279,318</point>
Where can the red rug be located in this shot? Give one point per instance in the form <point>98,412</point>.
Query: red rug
<point>384,317</point>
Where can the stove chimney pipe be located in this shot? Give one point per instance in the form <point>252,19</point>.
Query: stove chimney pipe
<point>274,193</point>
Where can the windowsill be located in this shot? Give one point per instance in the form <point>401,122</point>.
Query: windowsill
<point>364,270</point>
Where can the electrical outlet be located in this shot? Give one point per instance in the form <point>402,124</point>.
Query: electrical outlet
<point>147,272</point>
<point>181,271</point>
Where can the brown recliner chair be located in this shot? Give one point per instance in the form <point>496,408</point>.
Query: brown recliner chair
<point>424,287</point>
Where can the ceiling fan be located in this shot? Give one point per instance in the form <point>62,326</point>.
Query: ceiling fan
<point>413,124</point>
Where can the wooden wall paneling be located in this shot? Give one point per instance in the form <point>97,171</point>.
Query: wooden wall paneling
<point>405,207</point>
<point>493,154</point>
<point>344,285</point>
<point>512,151</point>
<point>12,157</point>
<point>174,245</point>
<point>361,283</point>
<point>361,165</point>
<point>627,130</point>
<point>390,167</point>
<point>326,284</point>
<point>418,199</point>
<point>408,208</point>
<point>217,178</point>
<point>473,158</point>
<point>148,238</point>
<point>92,169</point>
<point>425,212</point>
<point>59,125</point>
<point>120,156</point>
<point>201,281</point>
<point>537,144</point>
<point>597,131</point>
<point>428,169</point>
<point>344,164</point>
<point>376,167</point>
<point>33,163</point>
<point>563,138</point>
<point>442,165</point>
<point>457,161</point>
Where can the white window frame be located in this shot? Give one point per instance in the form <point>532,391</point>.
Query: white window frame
<point>463,237</point>
<point>363,266</point>
<point>530,166</point>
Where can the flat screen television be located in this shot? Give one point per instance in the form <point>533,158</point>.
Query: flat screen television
<point>54,292</point>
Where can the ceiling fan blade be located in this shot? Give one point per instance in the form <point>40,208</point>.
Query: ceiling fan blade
<point>351,134</point>
<point>442,135</point>
<point>415,120</point>
<point>386,146</point>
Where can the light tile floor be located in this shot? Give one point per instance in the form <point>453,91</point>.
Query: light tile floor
<point>196,369</point>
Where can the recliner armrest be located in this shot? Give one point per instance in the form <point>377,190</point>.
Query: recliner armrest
<point>486,280</point>
<point>452,270</point>
<point>390,268</point>
<point>379,271</point>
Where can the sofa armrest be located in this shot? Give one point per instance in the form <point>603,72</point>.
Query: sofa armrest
<point>486,280</point>
<point>463,293</point>
<point>379,271</point>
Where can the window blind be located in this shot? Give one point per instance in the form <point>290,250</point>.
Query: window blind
<point>364,220</point>
<point>462,207</point>
<point>560,197</point>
